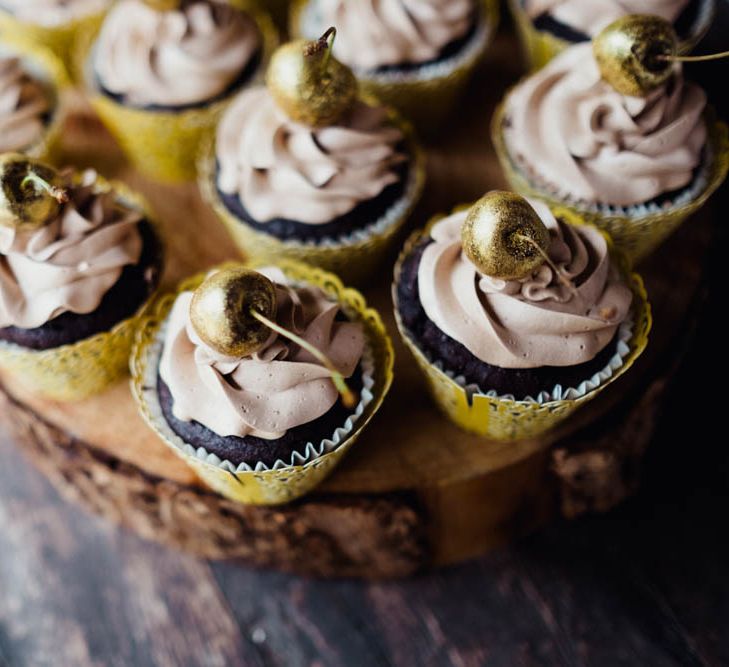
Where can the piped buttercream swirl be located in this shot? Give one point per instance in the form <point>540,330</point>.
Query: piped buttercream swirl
<point>174,58</point>
<point>575,135</point>
<point>529,323</point>
<point>24,105</point>
<point>70,263</point>
<point>278,388</point>
<point>281,169</point>
<point>52,13</point>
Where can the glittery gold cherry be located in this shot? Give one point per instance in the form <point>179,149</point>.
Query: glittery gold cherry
<point>309,84</point>
<point>233,311</point>
<point>30,192</point>
<point>635,54</point>
<point>163,5</point>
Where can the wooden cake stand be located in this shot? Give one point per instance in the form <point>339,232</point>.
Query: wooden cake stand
<point>415,492</point>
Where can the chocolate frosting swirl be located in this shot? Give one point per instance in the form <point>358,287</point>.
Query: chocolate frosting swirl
<point>53,12</point>
<point>265,394</point>
<point>70,262</point>
<point>575,135</point>
<point>23,106</point>
<point>376,33</point>
<point>529,323</point>
<point>281,169</point>
<point>174,58</point>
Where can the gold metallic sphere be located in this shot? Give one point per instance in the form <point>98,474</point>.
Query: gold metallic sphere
<point>221,307</point>
<point>25,202</point>
<point>309,84</point>
<point>630,52</point>
<point>163,5</point>
<point>496,232</point>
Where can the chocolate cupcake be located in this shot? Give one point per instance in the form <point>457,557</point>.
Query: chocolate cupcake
<point>511,346</point>
<point>416,55</point>
<point>160,78</point>
<point>257,410</point>
<point>79,260</point>
<point>547,27</point>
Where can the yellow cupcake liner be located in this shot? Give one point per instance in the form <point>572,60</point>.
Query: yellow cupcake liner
<point>352,260</point>
<point>44,66</point>
<point>501,418</point>
<point>540,46</point>
<point>276,485</point>
<point>637,236</point>
<point>61,40</point>
<point>78,370</point>
<point>161,144</point>
<point>423,98</point>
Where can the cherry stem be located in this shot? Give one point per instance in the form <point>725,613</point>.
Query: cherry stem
<point>693,59</point>
<point>59,194</point>
<point>348,397</point>
<point>557,271</point>
<point>323,44</point>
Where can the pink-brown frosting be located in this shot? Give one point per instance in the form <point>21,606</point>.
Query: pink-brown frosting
<point>375,33</point>
<point>577,136</point>
<point>279,387</point>
<point>529,323</point>
<point>281,169</point>
<point>23,105</point>
<point>173,58</point>
<point>71,262</point>
<point>591,16</point>
<point>51,13</point>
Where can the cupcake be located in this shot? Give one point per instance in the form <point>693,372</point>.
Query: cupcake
<point>31,115</point>
<point>416,55</point>
<point>160,78</point>
<point>547,27</point>
<point>79,259</point>
<point>634,165</point>
<point>51,24</point>
<point>517,314</point>
<point>292,179</point>
<point>261,379</point>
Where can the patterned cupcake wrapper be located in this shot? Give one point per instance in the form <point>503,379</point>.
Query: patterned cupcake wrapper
<point>540,46</point>
<point>425,95</point>
<point>61,40</point>
<point>502,417</point>
<point>161,144</point>
<point>78,370</point>
<point>45,67</point>
<point>285,480</point>
<point>354,257</point>
<point>637,230</point>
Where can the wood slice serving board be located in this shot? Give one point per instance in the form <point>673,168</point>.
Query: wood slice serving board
<point>415,492</point>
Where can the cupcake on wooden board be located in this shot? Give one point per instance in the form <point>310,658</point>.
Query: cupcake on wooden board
<point>416,55</point>
<point>305,168</point>
<point>517,314</point>
<point>52,24</point>
<point>626,145</point>
<point>159,74</point>
<point>79,259</point>
<point>31,112</point>
<point>547,27</point>
<point>261,379</point>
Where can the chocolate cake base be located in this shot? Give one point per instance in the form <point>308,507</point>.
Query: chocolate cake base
<point>135,285</point>
<point>519,382</point>
<point>251,449</point>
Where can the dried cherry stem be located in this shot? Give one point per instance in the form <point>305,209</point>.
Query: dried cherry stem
<point>323,44</point>
<point>557,271</point>
<point>693,59</point>
<point>59,194</point>
<point>349,399</point>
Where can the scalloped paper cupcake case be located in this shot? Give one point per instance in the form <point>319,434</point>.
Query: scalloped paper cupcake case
<point>540,46</point>
<point>638,230</point>
<point>353,258</point>
<point>43,65</point>
<point>503,417</point>
<point>428,94</point>
<point>161,144</point>
<point>285,481</point>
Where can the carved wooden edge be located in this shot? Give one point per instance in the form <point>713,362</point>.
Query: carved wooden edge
<point>379,536</point>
